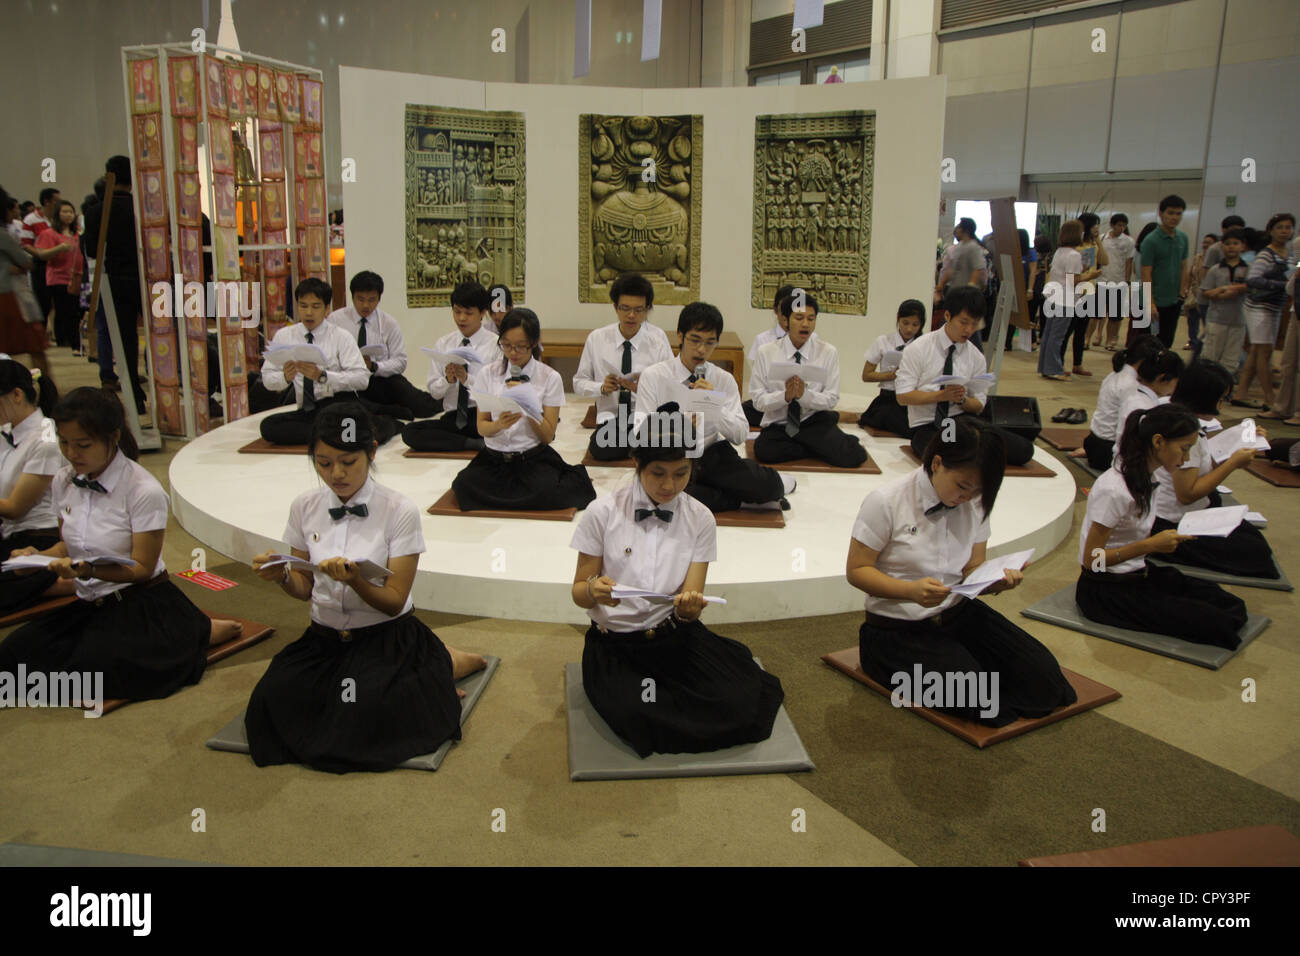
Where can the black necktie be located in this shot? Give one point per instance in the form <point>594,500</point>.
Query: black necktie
<point>941,410</point>
<point>361,336</point>
<point>693,379</point>
<point>462,399</point>
<point>359,510</point>
<point>9,437</point>
<point>933,509</point>
<point>793,415</point>
<point>308,386</point>
<point>89,483</point>
<point>643,513</point>
<point>625,396</point>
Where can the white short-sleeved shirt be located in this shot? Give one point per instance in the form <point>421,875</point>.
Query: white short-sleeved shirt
<point>346,369</point>
<point>35,452</point>
<point>1167,505</point>
<point>1111,503</point>
<point>1115,387</point>
<point>390,529</point>
<point>492,378</point>
<point>892,342</point>
<point>913,545</point>
<point>650,554</point>
<point>1139,397</point>
<point>768,391</point>
<point>602,354</point>
<point>102,522</point>
<point>381,329</point>
<point>484,342</point>
<point>655,388</point>
<point>775,333</point>
<point>1119,249</point>
<point>923,362</point>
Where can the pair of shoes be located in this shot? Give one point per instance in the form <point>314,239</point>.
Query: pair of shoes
<point>1078,418</point>
<point>1238,403</point>
<point>1064,415</point>
<point>1080,370</point>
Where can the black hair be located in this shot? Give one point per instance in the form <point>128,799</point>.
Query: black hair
<point>521,318</point>
<point>1275,219</point>
<point>1118,218</point>
<point>1023,236</point>
<point>120,167</point>
<point>1173,201</point>
<point>1146,231</point>
<point>1227,222</point>
<point>1165,363</point>
<point>967,225</point>
<point>492,294</point>
<point>781,293</point>
<point>56,225</point>
<point>313,286</point>
<point>17,375</point>
<point>964,298</point>
<point>100,414</point>
<point>100,185</point>
<point>48,193</point>
<point>1210,235</point>
<point>366,281</point>
<point>971,447</point>
<point>663,435</point>
<point>1234,232</point>
<point>1201,387</point>
<point>1042,246</point>
<point>633,284</point>
<point>1142,347</point>
<point>911,307</point>
<point>26,206</point>
<point>700,317</point>
<point>331,422</point>
<point>809,302</point>
<point>1142,425</point>
<point>1089,219</point>
<point>471,295</point>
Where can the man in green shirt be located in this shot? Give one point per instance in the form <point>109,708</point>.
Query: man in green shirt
<point>1164,267</point>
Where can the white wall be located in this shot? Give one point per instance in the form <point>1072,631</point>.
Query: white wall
<point>909,133</point>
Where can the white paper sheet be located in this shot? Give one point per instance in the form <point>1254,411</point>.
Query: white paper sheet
<point>523,398</point>
<point>619,592</point>
<point>460,355</point>
<point>301,352</point>
<point>378,351</point>
<point>811,374</point>
<point>889,361</point>
<point>44,560</point>
<point>967,383</point>
<point>1212,522</point>
<point>1257,519</point>
<point>990,572</point>
<point>369,569</point>
<point>1227,442</point>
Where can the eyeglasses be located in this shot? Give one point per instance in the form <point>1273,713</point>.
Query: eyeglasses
<point>632,309</point>
<point>515,349</point>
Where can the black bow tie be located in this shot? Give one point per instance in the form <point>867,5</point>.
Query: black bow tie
<point>517,378</point>
<point>933,509</point>
<point>359,510</point>
<point>89,483</point>
<point>643,513</point>
<point>9,437</point>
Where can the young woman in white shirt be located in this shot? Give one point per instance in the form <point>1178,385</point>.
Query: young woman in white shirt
<point>1157,377</point>
<point>1116,585</point>
<point>708,692</point>
<point>913,539</point>
<point>29,460</point>
<point>884,413</point>
<point>1193,487</point>
<point>402,701</point>
<point>1103,430</point>
<point>131,623</point>
<point>518,470</point>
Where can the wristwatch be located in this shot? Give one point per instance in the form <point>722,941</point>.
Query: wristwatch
<point>324,377</point>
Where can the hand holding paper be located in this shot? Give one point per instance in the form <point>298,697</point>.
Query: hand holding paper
<point>811,374</point>
<point>378,351</point>
<point>619,592</point>
<point>460,355</point>
<point>521,399</point>
<point>991,572</point>
<point>300,352</point>
<point>368,569</point>
<point>44,560</point>
<point>973,383</point>
<point>1212,522</point>
<point>1231,440</point>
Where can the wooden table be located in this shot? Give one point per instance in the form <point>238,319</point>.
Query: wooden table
<point>568,343</point>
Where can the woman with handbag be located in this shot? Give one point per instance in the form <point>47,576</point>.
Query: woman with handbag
<point>22,327</point>
<point>63,272</point>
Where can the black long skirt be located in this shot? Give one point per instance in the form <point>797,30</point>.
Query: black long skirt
<point>18,591</point>
<point>977,640</point>
<point>1162,600</point>
<point>1100,452</point>
<point>149,643</point>
<point>885,414</point>
<point>708,692</point>
<point>541,481</point>
<point>1244,552</point>
<point>403,703</point>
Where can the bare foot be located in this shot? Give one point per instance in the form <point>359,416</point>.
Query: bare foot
<point>1078,453</point>
<point>223,631</point>
<point>460,693</point>
<point>464,663</point>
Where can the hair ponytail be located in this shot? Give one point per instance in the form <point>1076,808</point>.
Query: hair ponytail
<point>1165,364</point>
<point>1141,348</point>
<point>100,414</point>
<point>1136,442</point>
<point>37,389</point>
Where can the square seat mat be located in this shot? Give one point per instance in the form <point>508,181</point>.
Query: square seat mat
<point>448,506</point>
<point>815,465</point>
<point>1269,845</point>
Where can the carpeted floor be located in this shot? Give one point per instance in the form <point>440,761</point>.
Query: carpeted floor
<point>1180,753</point>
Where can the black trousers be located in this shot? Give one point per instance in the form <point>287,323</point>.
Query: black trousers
<point>1162,601</point>
<point>18,591</point>
<point>397,391</point>
<point>1280,449</point>
<point>885,414</point>
<point>126,302</point>
<point>1100,452</point>
<point>295,427</point>
<point>819,436</point>
<point>1244,552</point>
<point>1019,450</point>
<point>67,317</point>
<point>1079,330</point>
<point>978,641</point>
<point>40,289</point>
<point>723,481</point>
<point>1168,317</point>
<point>441,434</point>
<point>752,414</point>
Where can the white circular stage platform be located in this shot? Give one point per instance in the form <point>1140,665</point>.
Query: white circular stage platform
<point>522,569</point>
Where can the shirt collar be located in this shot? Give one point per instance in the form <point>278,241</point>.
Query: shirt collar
<point>316,334</point>
<point>945,339</point>
<point>362,497</point>
<point>698,373</point>
<point>805,350</point>
<point>110,476</point>
<point>636,340</point>
<point>925,490</point>
<point>1147,390</point>
<point>32,423</point>
<point>642,500</point>
<point>526,369</point>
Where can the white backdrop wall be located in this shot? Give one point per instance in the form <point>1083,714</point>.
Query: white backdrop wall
<point>909,135</point>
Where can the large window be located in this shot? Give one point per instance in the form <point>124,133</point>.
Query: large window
<point>843,40</point>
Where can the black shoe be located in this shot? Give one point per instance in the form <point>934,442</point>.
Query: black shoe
<point>1064,415</point>
<point>785,505</point>
<point>1079,417</point>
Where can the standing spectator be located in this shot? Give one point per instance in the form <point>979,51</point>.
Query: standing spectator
<point>1118,269</point>
<point>63,272</point>
<point>36,222</point>
<point>1224,288</point>
<point>1059,310</point>
<point>1194,304</point>
<point>13,219</point>
<point>1164,265</point>
<point>1043,249</point>
<point>122,267</point>
<point>967,264</point>
<point>17,335</point>
<point>1288,399</point>
<point>1265,297</point>
<point>1094,257</point>
<point>1029,263</point>
<point>1137,304</point>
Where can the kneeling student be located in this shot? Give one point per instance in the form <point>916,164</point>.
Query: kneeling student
<point>916,537</point>
<point>779,331</point>
<point>799,417</point>
<point>1116,585</point>
<point>708,691</point>
<point>518,470</point>
<point>130,623</point>
<point>1099,443</point>
<point>884,413</point>
<point>403,701</point>
<point>722,480</point>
